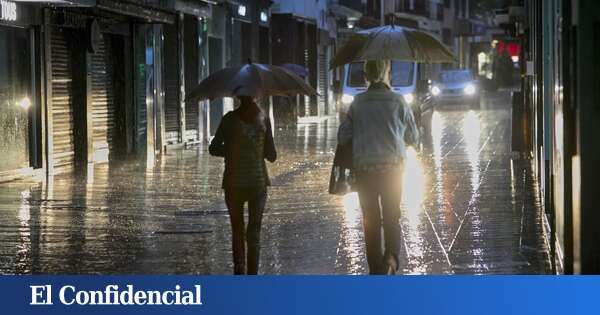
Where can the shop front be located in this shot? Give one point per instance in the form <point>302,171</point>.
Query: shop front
<point>20,112</point>
<point>104,83</point>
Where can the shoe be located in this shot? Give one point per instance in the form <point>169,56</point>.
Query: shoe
<point>392,265</point>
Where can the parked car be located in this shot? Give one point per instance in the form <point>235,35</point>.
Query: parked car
<point>405,79</point>
<point>456,87</point>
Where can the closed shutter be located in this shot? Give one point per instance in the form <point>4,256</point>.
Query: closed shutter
<point>171,81</point>
<point>103,111</point>
<point>323,81</point>
<point>141,109</point>
<point>62,109</point>
<point>191,75</point>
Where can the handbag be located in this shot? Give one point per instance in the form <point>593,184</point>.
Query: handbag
<point>341,180</point>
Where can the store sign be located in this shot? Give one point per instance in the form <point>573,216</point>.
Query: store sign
<point>8,11</point>
<point>264,17</point>
<point>242,10</point>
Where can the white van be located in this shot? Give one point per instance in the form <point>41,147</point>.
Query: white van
<point>409,79</point>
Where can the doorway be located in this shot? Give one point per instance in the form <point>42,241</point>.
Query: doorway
<point>123,138</point>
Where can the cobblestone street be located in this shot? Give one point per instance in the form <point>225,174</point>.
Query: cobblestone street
<point>468,208</point>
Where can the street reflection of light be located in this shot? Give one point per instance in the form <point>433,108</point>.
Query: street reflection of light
<point>351,203</point>
<point>413,183</point>
<point>437,127</point>
<point>24,248</point>
<point>471,129</point>
<point>413,194</point>
<point>351,245</point>
<point>320,137</point>
<point>306,138</point>
<point>25,209</point>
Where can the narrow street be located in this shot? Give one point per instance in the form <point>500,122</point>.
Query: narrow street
<point>468,208</point>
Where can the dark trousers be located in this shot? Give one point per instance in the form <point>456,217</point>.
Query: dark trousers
<point>380,195</point>
<point>241,236</point>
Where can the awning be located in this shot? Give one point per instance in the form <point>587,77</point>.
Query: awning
<point>64,3</point>
<point>149,14</point>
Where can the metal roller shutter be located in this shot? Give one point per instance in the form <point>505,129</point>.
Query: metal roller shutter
<point>103,112</point>
<point>323,82</point>
<point>62,109</point>
<point>191,75</point>
<point>171,81</point>
<point>141,110</point>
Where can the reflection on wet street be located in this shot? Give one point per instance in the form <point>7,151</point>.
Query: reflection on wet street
<point>468,207</point>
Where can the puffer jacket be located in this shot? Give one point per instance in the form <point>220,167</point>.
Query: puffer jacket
<point>244,148</point>
<point>379,126</point>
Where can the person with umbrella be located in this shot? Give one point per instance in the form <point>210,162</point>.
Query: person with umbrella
<point>379,125</point>
<point>378,128</point>
<point>245,139</point>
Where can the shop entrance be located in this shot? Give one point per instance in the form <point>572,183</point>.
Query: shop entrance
<point>15,98</point>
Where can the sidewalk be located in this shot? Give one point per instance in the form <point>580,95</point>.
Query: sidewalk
<point>468,208</point>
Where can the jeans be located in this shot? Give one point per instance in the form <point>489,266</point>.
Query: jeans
<point>241,236</point>
<point>380,194</point>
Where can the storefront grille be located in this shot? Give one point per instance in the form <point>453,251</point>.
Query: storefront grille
<point>103,111</point>
<point>62,108</point>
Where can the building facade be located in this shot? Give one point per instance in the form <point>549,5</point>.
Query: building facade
<point>560,92</point>
<point>303,33</point>
<point>91,81</point>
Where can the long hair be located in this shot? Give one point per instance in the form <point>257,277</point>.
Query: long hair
<point>251,113</point>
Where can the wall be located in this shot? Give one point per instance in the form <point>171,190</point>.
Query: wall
<point>311,9</point>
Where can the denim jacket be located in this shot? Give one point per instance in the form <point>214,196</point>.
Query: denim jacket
<point>379,126</point>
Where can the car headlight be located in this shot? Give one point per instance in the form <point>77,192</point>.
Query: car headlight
<point>409,98</point>
<point>435,90</point>
<point>347,99</point>
<point>470,89</point>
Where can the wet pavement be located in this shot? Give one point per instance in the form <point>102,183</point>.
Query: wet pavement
<point>469,207</point>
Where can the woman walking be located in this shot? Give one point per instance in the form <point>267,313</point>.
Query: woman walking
<point>245,140</point>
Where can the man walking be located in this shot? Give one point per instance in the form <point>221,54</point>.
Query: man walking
<point>379,126</point>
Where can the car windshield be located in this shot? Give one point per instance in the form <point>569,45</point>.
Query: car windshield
<point>401,74</point>
<point>455,76</point>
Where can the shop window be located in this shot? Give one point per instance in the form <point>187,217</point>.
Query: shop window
<point>15,97</point>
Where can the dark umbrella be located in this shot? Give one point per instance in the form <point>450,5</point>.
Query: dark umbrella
<point>252,79</point>
<point>392,43</point>
<point>297,69</point>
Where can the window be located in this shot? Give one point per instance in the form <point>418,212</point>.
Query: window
<point>402,73</point>
<point>15,97</point>
<point>455,76</point>
<point>356,77</point>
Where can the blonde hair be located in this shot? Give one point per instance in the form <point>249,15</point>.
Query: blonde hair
<point>377,70</point>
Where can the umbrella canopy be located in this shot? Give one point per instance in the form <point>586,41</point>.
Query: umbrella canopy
<point>252,79</point>
<point>297,69</point>
<point>392,42</point>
